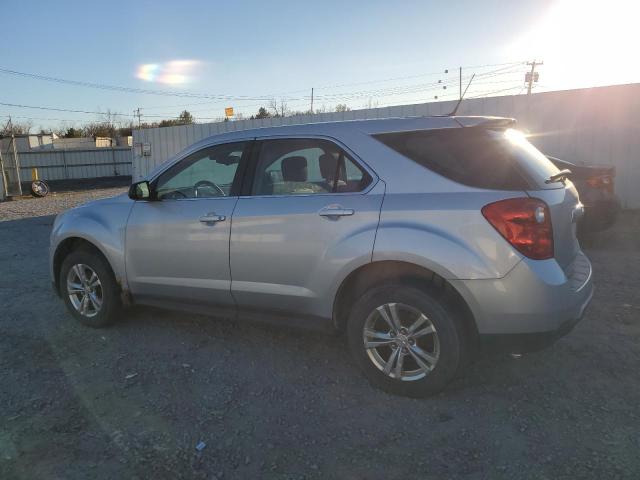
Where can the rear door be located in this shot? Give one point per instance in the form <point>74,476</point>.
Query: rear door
<point>309,212</point>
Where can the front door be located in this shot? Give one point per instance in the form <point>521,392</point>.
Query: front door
<point>310,213</point>
<point>177,245</point>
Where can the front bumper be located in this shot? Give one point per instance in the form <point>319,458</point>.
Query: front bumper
<point>534,304</point>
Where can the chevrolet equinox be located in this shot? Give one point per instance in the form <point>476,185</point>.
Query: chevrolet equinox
<point>420,238</point>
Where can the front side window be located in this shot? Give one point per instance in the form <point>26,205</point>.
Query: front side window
<point>306,166</point>
<point>207,173</point>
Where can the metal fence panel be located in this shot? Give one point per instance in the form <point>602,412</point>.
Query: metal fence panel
<point>73,164</point>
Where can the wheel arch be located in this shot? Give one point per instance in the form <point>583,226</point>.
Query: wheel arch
<point>391,271</point>
<point>71,244</point>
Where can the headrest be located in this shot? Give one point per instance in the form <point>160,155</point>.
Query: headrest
<point>294,169</point>
<point>328,164</point>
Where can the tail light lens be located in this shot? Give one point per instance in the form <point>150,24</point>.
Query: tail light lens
<point>525,223</point>
<point>604,182</point>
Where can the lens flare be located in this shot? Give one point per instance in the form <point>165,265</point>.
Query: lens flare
<point>174,72</point>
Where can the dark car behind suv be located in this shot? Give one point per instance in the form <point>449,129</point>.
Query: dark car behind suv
<point>596,186</point>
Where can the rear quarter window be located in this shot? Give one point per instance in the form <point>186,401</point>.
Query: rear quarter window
<point>471,156</point>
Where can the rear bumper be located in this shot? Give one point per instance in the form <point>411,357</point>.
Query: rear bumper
<point>534,304</point>
<point>528,342</point>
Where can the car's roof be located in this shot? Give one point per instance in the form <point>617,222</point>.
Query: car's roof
<point>372,126</point>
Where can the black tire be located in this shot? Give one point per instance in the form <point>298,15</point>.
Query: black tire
<point>110,292</point>
<point>39,188</point>
<point>450,334</point>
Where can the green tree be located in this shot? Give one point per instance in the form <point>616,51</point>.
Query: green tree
<point>262,113</point>
<point>185,118</point>
<point>72,133</point>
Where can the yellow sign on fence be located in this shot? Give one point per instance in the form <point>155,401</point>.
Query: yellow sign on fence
<point>228,112</point>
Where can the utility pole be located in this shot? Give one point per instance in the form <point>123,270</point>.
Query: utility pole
<point>16,162</point>
<point>532,76</point>
<point>460,83</point>
<point>312,100</point>
<point>136,113</point>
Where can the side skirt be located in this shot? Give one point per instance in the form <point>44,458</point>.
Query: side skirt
<point>257,316</point>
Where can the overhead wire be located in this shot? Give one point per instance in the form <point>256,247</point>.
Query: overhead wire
<point>401,90</point>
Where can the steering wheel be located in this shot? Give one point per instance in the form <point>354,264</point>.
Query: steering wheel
<point>207,183</point>
<point>173,195</point>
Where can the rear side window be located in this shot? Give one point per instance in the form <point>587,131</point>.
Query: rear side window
<point>472,156</point>
<point>306,167</point>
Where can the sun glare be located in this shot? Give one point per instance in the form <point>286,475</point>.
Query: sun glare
<point>583,43</point>
<point>175,72</point>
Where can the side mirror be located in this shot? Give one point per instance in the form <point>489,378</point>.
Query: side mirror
<point>140,191</point>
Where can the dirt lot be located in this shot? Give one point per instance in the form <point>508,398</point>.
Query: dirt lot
<point>134,400</point>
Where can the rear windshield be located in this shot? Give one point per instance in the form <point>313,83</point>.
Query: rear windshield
<point>478,157</point>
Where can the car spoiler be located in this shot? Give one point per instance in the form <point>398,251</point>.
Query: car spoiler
<point>491,122</point>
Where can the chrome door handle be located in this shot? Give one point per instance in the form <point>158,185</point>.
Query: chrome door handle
<point>336,211</point>
<point>212,218</point>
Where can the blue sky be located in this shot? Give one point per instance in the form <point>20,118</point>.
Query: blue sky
<point>278,48</point>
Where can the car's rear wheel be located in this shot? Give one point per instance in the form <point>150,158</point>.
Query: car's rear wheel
<point>405,340</point>
<point>89,289</point>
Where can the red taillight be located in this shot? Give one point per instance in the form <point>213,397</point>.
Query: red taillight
<point>525,223</point>
<point>604,182</point>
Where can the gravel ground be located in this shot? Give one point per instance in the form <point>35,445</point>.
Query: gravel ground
<point>134,400</point>
<point>53,203</point>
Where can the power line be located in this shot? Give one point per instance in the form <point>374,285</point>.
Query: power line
<point>489,93</point>
<point>17,105</point>
<point>41,118</point>
<point>404,90</point>
<point>413,76</point>
<point>220,97</point>
<point>119,88</point>
<point>393,91</point>
<point>506,69</point>
<point>56,109</point>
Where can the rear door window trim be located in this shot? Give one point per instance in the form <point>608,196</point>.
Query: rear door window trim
<point>252,165</point>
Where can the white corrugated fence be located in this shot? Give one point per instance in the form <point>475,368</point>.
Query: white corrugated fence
<point>75,164</point>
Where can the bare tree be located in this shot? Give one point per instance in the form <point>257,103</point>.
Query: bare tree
<point>20,128</point>
<point>372,103</point>
<point>273,105</point>
<point>281,110</point>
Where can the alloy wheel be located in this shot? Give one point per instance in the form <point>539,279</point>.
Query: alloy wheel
<point>401,341</point>
<point>84,290</point>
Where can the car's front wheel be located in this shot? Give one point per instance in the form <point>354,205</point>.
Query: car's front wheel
<point>405,340</point>
<point>89,289</point>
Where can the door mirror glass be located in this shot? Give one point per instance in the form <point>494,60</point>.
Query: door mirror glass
<point>140,191</point>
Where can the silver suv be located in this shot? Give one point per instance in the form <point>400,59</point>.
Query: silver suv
<point>421,238</point>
